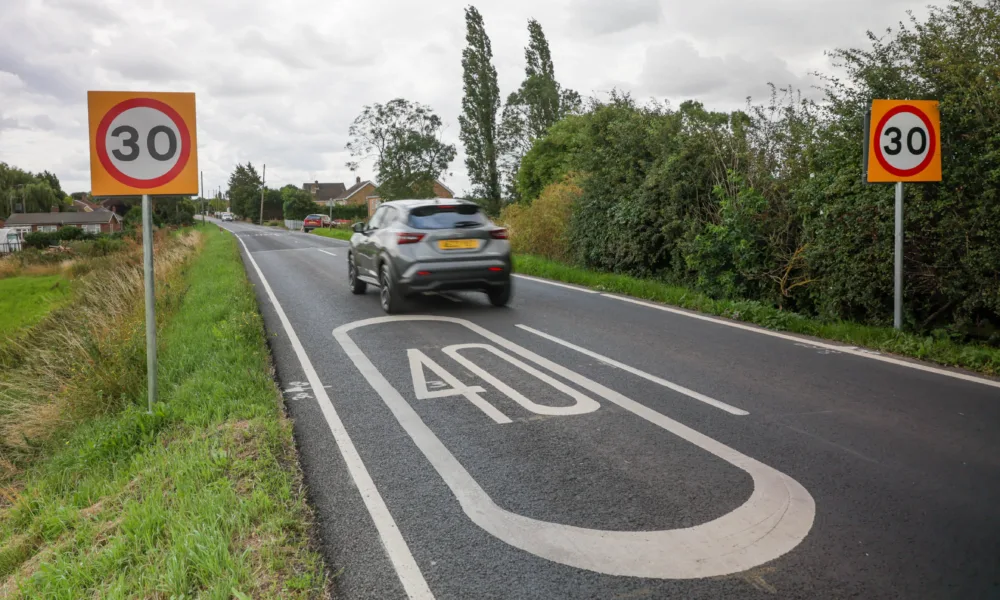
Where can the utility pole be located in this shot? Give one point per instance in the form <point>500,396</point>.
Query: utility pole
<point>263,188</point>
<point>201,195</point>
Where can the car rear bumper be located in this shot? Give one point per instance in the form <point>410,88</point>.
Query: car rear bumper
<point>459,275</point>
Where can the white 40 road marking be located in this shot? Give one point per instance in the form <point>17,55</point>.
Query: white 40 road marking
<point>775,519</point>
<point>418,360</point>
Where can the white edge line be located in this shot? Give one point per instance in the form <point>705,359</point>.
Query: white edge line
<point>854,350</point>
<point>392,539</point>
<point>325,252</point>
<point>562,285</point>
<point>667,384</point>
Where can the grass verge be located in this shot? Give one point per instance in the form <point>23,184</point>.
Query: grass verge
<point>202,499</point>
<point>337,234</point>
<point>976,357</point>
<point>25,300</point>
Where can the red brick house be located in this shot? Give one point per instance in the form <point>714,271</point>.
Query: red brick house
<point>372,199</point>
<point>98,221</point>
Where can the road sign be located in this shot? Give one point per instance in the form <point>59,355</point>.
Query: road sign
<point>142,143</point>
<point>904,142</point>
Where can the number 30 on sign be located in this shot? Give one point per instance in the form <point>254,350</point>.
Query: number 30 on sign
<point>142,143</point>
<point>905,141</point>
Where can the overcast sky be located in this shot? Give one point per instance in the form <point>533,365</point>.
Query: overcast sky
<point>280,82</point>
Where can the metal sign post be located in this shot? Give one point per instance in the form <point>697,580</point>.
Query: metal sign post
<point>897,304</point>
<point>147,268</point>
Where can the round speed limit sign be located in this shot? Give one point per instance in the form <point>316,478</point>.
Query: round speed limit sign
<point>143,144</point>
<point>905,141</point>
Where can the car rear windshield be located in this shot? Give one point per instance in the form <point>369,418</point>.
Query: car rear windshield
<point>311,217</point>
<point>446,217</point>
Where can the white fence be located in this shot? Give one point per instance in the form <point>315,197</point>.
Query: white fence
<point>293,225</point>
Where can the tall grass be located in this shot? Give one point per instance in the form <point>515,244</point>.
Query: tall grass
<point>86,358</point>
<point>202,499</point>
<point>334,232</point>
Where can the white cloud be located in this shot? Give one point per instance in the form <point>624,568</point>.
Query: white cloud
<point>280,82</point>
<point>612,16</point>
<point>677,70</point>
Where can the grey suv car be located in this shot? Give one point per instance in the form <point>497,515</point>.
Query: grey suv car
<point>414,246</point>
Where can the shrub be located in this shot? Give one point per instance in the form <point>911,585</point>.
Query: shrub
<point>41,239</point>
<point>541,227</point>
<point>70,232</point>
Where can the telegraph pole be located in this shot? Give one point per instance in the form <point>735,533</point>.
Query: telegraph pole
<point>263,188</point>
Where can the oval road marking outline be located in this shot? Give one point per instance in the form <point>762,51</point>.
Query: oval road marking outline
<point>775,518</point>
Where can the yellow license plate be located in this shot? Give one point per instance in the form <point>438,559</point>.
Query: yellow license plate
<point>458,244</point>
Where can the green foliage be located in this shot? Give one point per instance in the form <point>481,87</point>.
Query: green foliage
<point>201,498</point>
<point>551,157</point>
<point>404,140</point>
<point>541,227</point>
<point>41,239</point>
<point>297,203</point>
<point>335,233</point>
<point>244,191</point>
<point>534,107</point>
<point>350,212</point>
<point>25,300</point>
<point>34,192</point>
<point>767,203</point>
<point>480,105</point>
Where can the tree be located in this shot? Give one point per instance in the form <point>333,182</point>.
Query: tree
<point>297,203</point>
<point>403,138</point>
<point>534,107</point>
<point>244,191</point>
<point>480,105</point>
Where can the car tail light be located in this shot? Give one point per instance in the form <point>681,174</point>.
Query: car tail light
<point>423,273</point>
<point>405,237</point>
<point>499,234</point>
<point>496,269</point>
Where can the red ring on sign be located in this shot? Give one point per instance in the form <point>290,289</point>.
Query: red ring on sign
<point>163,107</point>
<point>931,143</point>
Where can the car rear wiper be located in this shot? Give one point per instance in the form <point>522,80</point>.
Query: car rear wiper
<point>463,224</point>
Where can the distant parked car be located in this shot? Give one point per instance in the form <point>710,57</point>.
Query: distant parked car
<point>315,222</point>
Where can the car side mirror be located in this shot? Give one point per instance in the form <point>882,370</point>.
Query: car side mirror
<point>358,227</point>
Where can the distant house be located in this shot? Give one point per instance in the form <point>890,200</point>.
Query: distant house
<point>357,193</point>
<point>324,192</point>
<point>440,191</point>
<point>97,221</point>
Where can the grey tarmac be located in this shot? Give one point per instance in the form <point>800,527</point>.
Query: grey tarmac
<point>833,476</point>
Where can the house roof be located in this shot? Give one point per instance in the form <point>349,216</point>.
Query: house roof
<point>440,183</point>
<point>325,191</point>
<point>354,189</point>
<point>67,218</point>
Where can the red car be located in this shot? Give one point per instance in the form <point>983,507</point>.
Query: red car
<point>315,222</point>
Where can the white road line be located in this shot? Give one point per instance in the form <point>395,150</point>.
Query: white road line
<point>776,517</point>
<point>845,349</point>
<point>667,384</point>
<point>392,540</point>
<point>325,252</point>
<point>281,250</point>
<point>562,285</point>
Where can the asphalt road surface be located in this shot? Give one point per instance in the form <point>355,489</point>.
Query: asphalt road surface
<point>580,445</point>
